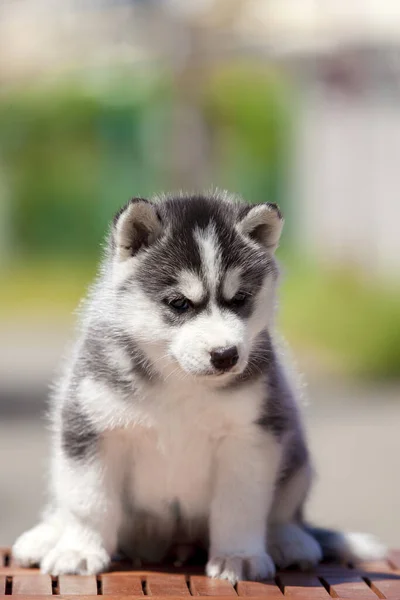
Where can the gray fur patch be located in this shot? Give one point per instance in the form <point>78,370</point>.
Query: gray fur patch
<point>78,436</point>
<point>280,410</point>
<point>97,359</point>
<point>96,363</point>
<point>295,457</point>
<point>140,363</point>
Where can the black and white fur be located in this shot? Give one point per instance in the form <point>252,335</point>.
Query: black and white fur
<point>155,449</point>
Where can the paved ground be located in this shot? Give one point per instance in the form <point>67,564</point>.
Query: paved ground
<point>354,435</point>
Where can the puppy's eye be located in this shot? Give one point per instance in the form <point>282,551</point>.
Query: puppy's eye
<point>239,299</point>
<point>181,304</point>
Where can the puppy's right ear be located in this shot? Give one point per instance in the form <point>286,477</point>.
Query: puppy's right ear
<point>136,226</point>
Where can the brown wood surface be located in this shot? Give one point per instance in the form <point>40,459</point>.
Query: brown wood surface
<point>294,585</point>
<point>111,597</point>
<point>165,584</point>
<point>368,581</point>
<point>267,589</point>
<point>378,566</point>
<point>394,559</point>
<point>350,586</point>
<point>3,556</point>
<point>385,584</point>
<point>122,584</point>
<point>74,584</point>
<point>32,585</point>
<point>200,585</point>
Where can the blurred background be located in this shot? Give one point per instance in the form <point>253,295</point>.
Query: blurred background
<point>289,101</point>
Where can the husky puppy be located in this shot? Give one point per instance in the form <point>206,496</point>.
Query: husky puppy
<point>175,425</point>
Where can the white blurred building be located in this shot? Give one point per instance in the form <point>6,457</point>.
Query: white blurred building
<point>347,180</point>
<point>345,55</point>
<point>43,38</point>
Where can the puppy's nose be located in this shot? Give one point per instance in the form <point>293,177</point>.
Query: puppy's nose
<point>224,358</point>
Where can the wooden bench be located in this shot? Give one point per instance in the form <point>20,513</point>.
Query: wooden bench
<point>374,580</point>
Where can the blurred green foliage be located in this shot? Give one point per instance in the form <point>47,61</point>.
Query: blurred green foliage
<point>251,116</point>
<point>348,324</point>
<point>73,155</point>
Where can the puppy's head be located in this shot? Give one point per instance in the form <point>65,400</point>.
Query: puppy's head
<point>194,278</point>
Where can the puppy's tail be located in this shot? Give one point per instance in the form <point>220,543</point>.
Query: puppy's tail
<point>347,547</point>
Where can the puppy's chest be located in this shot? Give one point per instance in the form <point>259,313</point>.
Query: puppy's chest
<point>174,455</point>
<point>171,463</point>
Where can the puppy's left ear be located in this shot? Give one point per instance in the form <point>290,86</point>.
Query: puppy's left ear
<point>263,224</point>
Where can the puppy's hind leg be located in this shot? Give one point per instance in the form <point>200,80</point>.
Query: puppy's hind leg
<point>288,542</point>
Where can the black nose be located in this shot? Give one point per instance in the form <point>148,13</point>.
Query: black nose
<point>224,358</point>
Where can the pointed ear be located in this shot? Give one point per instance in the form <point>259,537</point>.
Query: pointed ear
<point>137,225</point>
<point>263,224</point>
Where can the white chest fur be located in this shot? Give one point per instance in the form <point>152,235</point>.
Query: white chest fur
<point>173,456</point>
<point>169,465</point>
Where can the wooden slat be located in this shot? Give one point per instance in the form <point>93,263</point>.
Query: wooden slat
<point>302,585</point>
<point>83,597</point>
<point>107,597</point>
<point>369,581</point>
<point>9,566</point>
<point>256,588</point>
<point>394,558</point>
<point>31,585</point>
<point>12,562</point>
<point>77,584</point>
<point>121,583</point>
<point>166,585</point>
<point>378,566</point>
<point>4,553</point>
<point>348,586</point>
<point>11,571</point>
<point>385,585</point>
<point>200,585</point>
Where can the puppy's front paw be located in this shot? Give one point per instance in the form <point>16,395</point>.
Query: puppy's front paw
<point>67,559</point>
<point>236,568</point>
<point>33,545</point>
<point>290,545</point>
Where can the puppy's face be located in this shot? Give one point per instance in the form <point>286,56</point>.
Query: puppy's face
<point>196,278</point>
